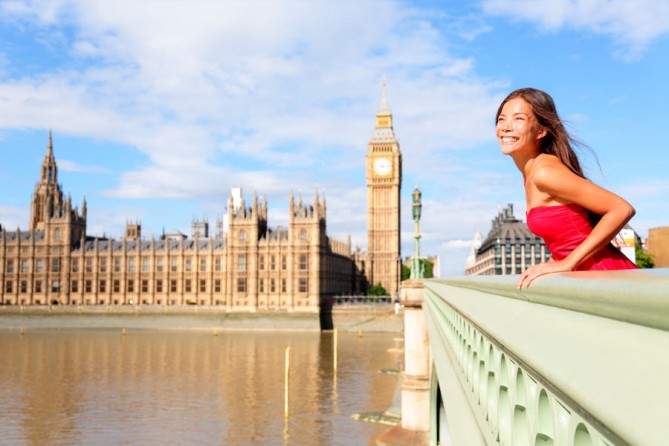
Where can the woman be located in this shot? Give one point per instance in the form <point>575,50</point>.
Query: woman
<point>560,200</point>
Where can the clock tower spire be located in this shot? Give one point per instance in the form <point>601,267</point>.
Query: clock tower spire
<point>384,183</point>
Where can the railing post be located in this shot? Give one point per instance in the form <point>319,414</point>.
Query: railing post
<point>415,426</point>
<point>416,385</point>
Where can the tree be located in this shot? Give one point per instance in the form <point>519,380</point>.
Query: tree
<point>643,259</point>
<point>429,270</point>
<point>377,290</point>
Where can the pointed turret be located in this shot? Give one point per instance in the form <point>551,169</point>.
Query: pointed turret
<point>242,208</point>
<point>384,107</point>
<point>317,208</point>
<point>47,199</point>
<point>49,168</point>
<point>49,147</point>
<point>383,131</point>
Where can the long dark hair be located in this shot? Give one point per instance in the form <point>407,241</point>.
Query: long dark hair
<point>557,141</point>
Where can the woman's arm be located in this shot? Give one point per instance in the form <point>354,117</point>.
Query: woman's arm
<point>552,178</point>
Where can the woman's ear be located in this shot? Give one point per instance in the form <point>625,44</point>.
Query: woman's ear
<point>543,132</point>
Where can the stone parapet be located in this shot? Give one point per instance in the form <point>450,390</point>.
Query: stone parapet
<point>577,358</point>
<point>412,292</point>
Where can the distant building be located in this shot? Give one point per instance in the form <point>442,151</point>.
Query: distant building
<point>250,267</point>
<point>199,228</point>
<point>509,248</point>
<point>473,250</point>
<point>384,185</point>
<point>246,265</point>
<point>626,241</point>
<point>658,246</point>
<point>174,235</point>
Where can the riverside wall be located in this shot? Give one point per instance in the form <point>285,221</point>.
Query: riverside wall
<point>354,317</point>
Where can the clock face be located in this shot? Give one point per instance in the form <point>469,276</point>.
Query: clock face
<point>382,166</point>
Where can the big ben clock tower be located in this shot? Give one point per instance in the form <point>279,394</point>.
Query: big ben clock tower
<point>384,182</point>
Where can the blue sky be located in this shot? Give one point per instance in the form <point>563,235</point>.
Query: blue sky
<point>158,108</point>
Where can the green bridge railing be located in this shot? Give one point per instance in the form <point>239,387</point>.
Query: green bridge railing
<point>576,359</point>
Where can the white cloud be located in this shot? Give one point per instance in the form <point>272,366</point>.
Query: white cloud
<point>456,244</point>
<point>72,166</point>
<point>12,218</point>
<point>649,188</point>
<point>633,25</point>
<point>471,26</point>
<point>183,81</point>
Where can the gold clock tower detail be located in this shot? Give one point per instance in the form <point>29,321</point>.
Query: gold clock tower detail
<point>384,182</point>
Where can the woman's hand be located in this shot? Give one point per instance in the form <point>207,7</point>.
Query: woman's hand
<point>534,271</point>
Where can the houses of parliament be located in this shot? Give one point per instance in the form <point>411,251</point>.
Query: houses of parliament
<point>248,266</point>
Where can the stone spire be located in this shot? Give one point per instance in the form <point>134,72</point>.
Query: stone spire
<point>384,108</point>
<point>47,199</point>
<point>49,147</point>
<point>383,131</point>
<point>49,168</point>
<point>254,205</point>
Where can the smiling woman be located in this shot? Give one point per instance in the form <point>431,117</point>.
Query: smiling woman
<point>576,218</point>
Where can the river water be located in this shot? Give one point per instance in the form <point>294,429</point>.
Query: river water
<point>149,387</point>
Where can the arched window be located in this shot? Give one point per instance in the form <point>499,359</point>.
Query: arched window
<point>303,234</point>
<point>56,235</point>
<point>242,235</point>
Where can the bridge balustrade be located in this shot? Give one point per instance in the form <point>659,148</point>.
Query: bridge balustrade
<point>360,300</point>
<point>576,359</point>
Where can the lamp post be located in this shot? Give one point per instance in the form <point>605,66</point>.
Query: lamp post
<point>417,264</point>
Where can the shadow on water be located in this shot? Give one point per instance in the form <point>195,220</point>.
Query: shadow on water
<point>325,314</point>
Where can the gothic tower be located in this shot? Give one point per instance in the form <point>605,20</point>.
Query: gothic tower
<point>384,183</point>
<point>47,196</point>
<point>50,212</point>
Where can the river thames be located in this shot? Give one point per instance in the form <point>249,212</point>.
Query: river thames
<point>150,387</point>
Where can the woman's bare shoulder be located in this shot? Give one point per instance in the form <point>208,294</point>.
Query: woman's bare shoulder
<point>547,160</point>
<point>548,168</point>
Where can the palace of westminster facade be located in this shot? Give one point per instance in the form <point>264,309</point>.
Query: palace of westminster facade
<point>248,267</point>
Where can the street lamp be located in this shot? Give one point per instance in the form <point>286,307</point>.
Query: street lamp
<point>416,206</point>
<point>417,264</point>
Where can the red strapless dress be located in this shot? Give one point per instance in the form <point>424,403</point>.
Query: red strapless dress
<point>564,227</point>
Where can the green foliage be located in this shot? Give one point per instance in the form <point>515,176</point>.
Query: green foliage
<point>376,290</point>
<point>429,269</point>
<point>406,272</point>
<point>643,259</point>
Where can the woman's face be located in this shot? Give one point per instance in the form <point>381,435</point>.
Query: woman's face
<point>517,128</point>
